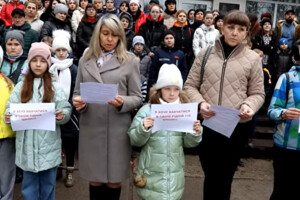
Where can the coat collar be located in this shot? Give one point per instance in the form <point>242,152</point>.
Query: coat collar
<point>92,68</point>
<point>110,64</point>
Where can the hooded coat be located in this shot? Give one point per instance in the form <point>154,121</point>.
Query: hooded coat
<point>128,32</point>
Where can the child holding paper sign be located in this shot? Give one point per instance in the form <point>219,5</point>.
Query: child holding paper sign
<point>161,162</point>
<point>38,152</point>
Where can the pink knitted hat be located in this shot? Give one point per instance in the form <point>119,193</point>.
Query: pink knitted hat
<point>39,49</point>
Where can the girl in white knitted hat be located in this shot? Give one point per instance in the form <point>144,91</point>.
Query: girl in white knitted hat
<point>160,173</point>
<point>65,72</point>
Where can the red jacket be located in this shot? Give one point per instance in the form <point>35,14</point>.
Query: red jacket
<point>139,22</point>
<point>7,10</point>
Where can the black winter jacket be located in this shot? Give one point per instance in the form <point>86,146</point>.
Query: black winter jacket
<point>53,24</point>
<point>83,36</point>
<point>169,56</point>
<point>152,32</point>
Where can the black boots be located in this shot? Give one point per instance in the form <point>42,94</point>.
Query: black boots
<point>104,193</point>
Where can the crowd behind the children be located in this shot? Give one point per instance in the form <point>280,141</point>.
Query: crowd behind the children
<point>55,40</point>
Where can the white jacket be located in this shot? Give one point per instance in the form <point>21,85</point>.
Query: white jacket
<point>76,18</point>
<point>204,36</point>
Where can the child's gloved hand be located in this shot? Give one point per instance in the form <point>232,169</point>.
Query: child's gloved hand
<point>148,122</point>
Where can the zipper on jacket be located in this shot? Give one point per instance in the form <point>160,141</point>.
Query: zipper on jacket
<point>223,70</point>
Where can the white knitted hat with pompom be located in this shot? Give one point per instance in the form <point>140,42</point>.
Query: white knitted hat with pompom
<point>61,39</point>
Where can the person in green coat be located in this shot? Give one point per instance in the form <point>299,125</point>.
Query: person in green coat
<point>38,152</point>
<point>161,161</point>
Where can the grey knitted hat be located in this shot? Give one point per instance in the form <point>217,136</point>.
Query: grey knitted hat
<point>60,8</point>
<point>15,34</point>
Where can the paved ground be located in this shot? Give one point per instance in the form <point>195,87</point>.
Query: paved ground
<point>253,181</point>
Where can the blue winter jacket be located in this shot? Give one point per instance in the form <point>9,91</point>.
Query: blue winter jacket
<point>286,132</point>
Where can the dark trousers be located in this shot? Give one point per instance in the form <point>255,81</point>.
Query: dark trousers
<point>70,146</point>
<point>286,164</point>
<point>219,157</point>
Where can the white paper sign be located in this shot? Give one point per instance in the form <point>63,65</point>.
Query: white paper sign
<point>29,116</point>
<point>224,121</point>
<point>174,117</point>
<point>98,92</point>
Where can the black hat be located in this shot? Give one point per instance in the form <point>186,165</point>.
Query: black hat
<point>168,32</point>
<point>289,11</point>
<point>154,1</point>
<point>169,2</point>
<point>18,11</point>
<point>262,22</point>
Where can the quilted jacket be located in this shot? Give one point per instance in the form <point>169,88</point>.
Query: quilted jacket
<point>39,150</point>
<point>228,82</point>
<point>204,36</point>
<point>161,158</point>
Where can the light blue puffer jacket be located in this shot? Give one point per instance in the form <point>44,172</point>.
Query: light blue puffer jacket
<point>161,158</point>
<point>39,150</point>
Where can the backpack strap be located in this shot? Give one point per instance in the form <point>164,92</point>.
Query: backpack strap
<point>15,75</point>
<point>205,58</point>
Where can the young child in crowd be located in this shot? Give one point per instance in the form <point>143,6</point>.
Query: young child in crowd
<point>47,40</point>
<point>38,152</point>
<point>65,73</point>
<point>283,59</point>
<point>138,48</point>
<point>7,141</point>
<point>162,180</point>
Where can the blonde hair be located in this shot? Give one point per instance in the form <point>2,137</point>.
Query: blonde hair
<point>155,94</point>
<point>113,23</point>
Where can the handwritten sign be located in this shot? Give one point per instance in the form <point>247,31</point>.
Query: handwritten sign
<point>32,116</point>
<point>174,117</point>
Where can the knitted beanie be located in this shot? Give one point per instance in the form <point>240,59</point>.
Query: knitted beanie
<point>61,39</point>
<point>138,39</point>
<point>134,1</point>
<point>15,34</point>
<point>169,75</point>
<point>265,15</point>
<point>40,49</point>
<point>283,40</point>
<point>265,20</point>
<point>60,8</point>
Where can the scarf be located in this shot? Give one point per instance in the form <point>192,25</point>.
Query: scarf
<point>164,102</point>
<point>104,57</point>
<point>63,78</point>
<point>91,19</point>
<point>14,57</point>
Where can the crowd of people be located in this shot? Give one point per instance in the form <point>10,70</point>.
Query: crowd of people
<point>48,48</point>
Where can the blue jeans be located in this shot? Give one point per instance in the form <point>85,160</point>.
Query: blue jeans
<point>40,185</point>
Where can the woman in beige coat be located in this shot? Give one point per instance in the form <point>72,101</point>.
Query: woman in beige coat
<point>233,78</point>
<point>104,147</point>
